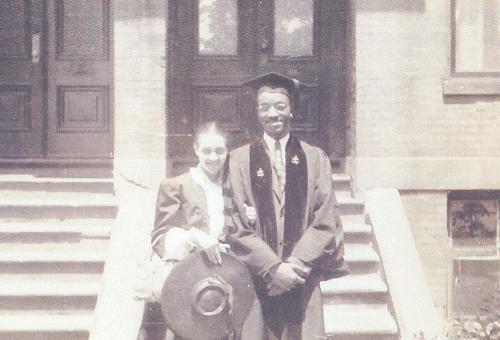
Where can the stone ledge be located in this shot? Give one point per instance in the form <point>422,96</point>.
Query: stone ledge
<point>428,173</point>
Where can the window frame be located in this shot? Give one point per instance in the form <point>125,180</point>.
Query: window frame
<point>469,253</point>
<point>467,83</point>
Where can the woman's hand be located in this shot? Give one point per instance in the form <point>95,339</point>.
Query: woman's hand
<point>208,244</point>
<point>213,254</point>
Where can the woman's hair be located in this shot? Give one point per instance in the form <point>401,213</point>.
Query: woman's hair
<point>209,127</point>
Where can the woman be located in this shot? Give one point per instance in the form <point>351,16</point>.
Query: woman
<point>190,213</point>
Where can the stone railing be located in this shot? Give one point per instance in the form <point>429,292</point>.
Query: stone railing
<point>118,314</point>
<point>411,297</point>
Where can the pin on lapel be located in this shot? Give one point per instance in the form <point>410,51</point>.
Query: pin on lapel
<point>260,172</point>
<point>295,160</point>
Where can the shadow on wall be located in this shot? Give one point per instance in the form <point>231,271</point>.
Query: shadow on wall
<point>127,9</point>
<point>391,5</point>
<point>471,99</point>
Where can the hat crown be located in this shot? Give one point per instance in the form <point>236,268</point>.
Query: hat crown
<point>210,296</point>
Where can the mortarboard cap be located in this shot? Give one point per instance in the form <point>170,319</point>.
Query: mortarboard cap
<point>274,80</point>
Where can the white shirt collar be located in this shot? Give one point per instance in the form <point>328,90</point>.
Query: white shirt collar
<point>199,176</point>
<point>270,142</point>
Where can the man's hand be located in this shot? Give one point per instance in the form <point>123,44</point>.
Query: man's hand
<point>284,278</point>
<point>300,267</point>
<point>273,290</point>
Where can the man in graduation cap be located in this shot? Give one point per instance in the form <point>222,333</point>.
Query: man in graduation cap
<point>285,220</point>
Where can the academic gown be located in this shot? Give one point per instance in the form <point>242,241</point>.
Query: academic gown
<point>320,245</point>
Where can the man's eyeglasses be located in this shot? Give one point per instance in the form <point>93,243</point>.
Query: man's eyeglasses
<point>279,106</point>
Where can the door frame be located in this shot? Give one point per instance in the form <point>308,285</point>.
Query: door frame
<point>46,51</point>
<point>343,63</point>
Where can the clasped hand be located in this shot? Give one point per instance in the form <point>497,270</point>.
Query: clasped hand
<point>284,278</point>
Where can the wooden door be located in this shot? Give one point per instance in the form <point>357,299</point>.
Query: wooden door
<point>215,45</point>
<point>79,115</point>
<point>21,78</point>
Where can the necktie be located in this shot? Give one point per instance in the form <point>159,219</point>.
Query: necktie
<point>279,165</point>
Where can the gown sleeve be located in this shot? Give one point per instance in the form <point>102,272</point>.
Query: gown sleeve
<point>322,243</point>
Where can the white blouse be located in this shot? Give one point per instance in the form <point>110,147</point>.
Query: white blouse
<point>215,200</point>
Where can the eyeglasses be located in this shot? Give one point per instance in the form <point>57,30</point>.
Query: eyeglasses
<point>279,106</point>
<point>219,151</point>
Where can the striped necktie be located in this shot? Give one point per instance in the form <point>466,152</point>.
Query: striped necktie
<point>279,165</point>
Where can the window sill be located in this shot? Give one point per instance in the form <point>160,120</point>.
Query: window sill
<point>482,253</point>
<point>471,86</point>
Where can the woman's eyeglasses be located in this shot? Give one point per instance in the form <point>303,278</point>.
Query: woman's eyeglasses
<point>219,151</point>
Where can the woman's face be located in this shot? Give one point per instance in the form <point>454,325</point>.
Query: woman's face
<point>211,151</point>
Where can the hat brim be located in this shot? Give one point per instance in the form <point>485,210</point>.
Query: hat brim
<point>176,298</point>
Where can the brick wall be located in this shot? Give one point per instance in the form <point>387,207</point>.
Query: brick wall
<point>427,214</point>
<point>411,136</point>
<point>408,135</point>
<point>140,89</point>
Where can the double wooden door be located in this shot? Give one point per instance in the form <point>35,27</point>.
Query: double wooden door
<point>55,79</point>
<point>216,45</point>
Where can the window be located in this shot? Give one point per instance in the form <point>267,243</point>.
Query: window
<point>293,27</point>
<point>477,36</point>
<point>474,228</point>
<point>218,27</point>
<point>475,48</point>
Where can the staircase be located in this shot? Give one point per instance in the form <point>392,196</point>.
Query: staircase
<point>54,235</point>
<point>357,306</point>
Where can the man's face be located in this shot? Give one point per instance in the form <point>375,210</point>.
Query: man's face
<point>274,113</point>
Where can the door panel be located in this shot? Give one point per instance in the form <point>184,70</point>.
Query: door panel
<point>21,79</point>
<point>304,40</point>
<point>79,68</point>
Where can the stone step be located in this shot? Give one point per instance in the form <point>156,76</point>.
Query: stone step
<point>63,277</point>
<point>35,326</point>
<point>56,184</point>
<point>49,256</point>
<point>361,288</point>
<point>359,322</point>
<point>361,258</point>
<point>45,262</point>
<point>18,204</point>
<point>69,167</point>
<point>341,195</point>
<point>44,267</point>
<point>55,229</point>
<point>355,229</point>
<point>54,288</point>
<point>350,205</point>
<point>49,296</point>
<point>342,182</point>
<point>72,243</point>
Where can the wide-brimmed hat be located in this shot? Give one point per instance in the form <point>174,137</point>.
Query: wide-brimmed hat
<point>204,301</point>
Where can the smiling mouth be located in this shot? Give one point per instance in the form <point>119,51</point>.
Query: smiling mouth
<point>277,123</point>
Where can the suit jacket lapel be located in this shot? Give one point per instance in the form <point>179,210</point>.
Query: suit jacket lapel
<point>199,199</point>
